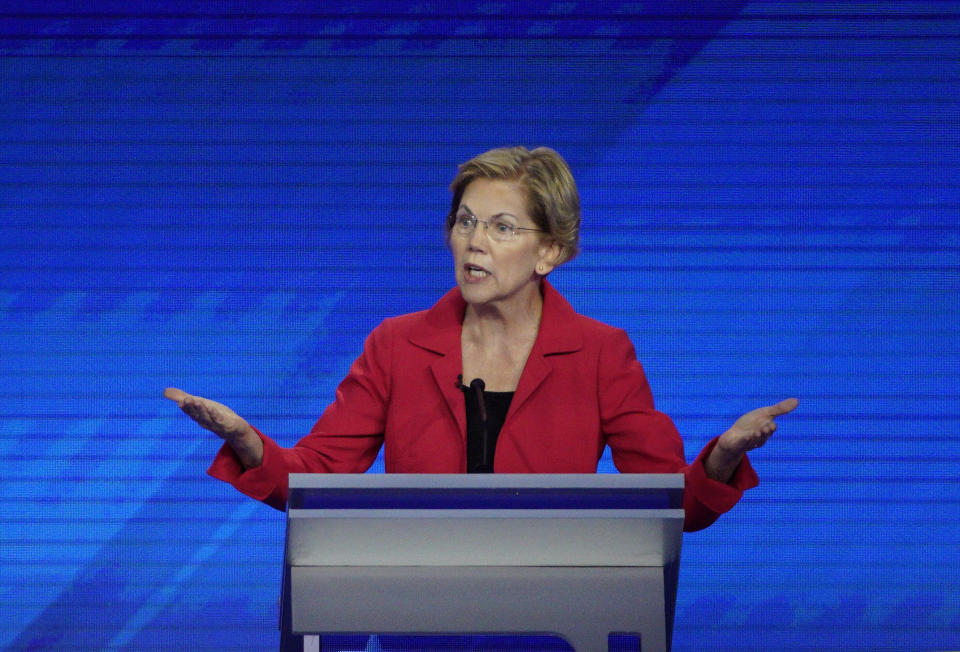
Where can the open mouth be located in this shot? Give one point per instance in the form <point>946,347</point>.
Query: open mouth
<point>475,271</point>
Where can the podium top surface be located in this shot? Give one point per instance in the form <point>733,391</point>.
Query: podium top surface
<point>486,480</point>
<point>485,491</point>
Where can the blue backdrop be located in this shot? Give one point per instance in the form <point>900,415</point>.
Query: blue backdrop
<point>227,196</point>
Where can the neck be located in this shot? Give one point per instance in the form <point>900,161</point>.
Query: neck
<point>519,318</point>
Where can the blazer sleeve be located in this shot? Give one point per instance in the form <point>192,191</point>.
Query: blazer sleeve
<point>345,439</point>
<point>643,440</point>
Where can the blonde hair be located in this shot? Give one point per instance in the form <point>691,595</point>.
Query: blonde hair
<point>552,199</point>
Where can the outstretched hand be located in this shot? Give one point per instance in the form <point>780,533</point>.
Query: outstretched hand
<point>754,428</point>
<point>215,417</point>
<point>750,431</point>
<point>222,421</point>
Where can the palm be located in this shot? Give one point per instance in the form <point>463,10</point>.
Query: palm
<point>215,417</point>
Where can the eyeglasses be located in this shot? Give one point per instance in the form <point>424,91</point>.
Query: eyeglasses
<point>498,228</point>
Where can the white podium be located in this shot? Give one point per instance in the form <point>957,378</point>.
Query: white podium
<point>576,556</point>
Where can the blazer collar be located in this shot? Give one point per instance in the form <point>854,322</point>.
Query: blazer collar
<point>440,333</point>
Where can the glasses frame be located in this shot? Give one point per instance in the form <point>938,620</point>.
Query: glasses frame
<point>515,230</point>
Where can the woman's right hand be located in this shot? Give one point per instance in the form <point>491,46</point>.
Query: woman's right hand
<point>224,422</point>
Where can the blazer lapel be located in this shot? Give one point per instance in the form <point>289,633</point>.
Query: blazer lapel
<point>446,372</point>
<point>534,373</point>
<point>559,333</point>
<point>441,335</point>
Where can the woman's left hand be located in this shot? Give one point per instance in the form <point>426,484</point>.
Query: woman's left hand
<point>750,431</point>
<point>754,428</point>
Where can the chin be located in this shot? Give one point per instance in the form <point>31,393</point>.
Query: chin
<point>470,293</point>
<point>474,295</point>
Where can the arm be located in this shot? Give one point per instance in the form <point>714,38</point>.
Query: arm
<point>644,440</point>
<point>344,440</point>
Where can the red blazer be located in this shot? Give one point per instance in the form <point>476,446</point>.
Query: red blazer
<point>582,389</point>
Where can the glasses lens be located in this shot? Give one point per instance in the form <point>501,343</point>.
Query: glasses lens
<point>464,224</point>
<point>502,231</point>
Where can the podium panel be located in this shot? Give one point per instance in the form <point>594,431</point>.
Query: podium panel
<point>575,556</point>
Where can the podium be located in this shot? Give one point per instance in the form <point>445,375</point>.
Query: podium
<point>577,556</point>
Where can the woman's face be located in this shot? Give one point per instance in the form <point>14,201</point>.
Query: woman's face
<point>492,273</point>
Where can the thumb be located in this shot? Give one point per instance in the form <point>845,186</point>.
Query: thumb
<point>783,407</point>
<point>175,394</point>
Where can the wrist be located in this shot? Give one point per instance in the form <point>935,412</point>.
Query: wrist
<point>721,464</point>
<point>724,452</point>
<point>239,434</point>
<point>247,447</point>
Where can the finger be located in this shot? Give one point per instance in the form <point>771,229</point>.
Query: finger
<point>783,407</point>
<point>175,394</point>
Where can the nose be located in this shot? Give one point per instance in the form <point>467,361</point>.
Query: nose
<point>479,237</point>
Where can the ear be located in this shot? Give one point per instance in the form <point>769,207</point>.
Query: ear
<point>551,253</point>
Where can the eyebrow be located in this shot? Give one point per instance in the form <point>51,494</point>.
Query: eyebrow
<point>501,214</point>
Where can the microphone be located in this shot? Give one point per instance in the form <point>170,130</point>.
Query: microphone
<point>477,385</point>
<point>486,465</point>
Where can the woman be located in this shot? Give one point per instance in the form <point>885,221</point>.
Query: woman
<point>559,386</point>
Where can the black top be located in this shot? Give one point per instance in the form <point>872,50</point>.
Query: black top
<point>497,404</point>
